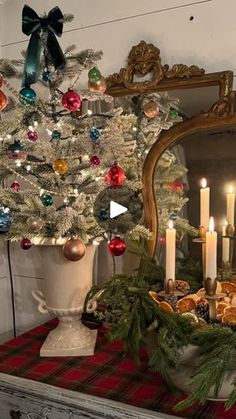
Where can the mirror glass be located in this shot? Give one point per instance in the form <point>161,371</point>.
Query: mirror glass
<point>178,183</point>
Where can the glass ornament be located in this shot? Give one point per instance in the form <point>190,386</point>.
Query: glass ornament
<point>60,166</point>
<point>99,87</point>
<point>71,101</point>
<point>16,151</point>
<point>117,246</point>
<point>35,223</point>
<point>94,161</point>
<point>94,75</point>
<point>74,250</point>
<point>46,76</point>
<point>5,221</point>
<point>27,96</point>
<point>47,200</point>
<point>26,244</point>
<point>16,186</point>
<point>32,135</point>
<point>151,109</point>
<point>115,176</point>
<point>56,135</point>
<point>173,114</point>
<point>94,134</point>
<point>3,101</point>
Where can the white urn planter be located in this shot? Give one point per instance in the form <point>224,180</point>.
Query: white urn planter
<point>65,286</point>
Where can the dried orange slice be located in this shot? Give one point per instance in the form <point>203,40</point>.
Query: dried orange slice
<point>186,304</point>
<point>221,307</point>
<point>166,306</point>
<point>201,292</point>
<point>155,296</point>
<point>182,285</point>
<point>229,318</point>
<point>229,310</point>
<point>228,287</point>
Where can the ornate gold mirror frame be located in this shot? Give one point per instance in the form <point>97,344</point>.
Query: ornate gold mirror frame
<point>145,59</point>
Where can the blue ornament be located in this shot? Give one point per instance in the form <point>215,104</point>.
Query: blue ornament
<point>46,76</point>
<point>103,215</point>
<point>56,135</point>
<point>47,200</point>
<point>27,96</point>
<point>173,215</point>
<point>5,222</point>
<point>94,134</point>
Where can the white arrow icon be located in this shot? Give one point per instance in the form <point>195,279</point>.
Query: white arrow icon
<point>116,209</point>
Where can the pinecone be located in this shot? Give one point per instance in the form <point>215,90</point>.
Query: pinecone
<point>227,326</point>
<point>172,300</point>
<point>202,310</point>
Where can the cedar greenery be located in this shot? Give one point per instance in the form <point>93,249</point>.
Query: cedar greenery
<point>133,316</point>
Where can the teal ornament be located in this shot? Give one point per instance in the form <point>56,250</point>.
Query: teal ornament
<point>94,134</point>
<point>16,151</point>
<point>5,221</point>
<point>56,135</point>
<point>47,200</point>
<point>46,76</point>
<point>173,114</point>
<point>27,96</point>
<point>103,215</point>
<point>94,75</point>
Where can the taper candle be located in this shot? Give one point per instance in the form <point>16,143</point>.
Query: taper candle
<point>170,251</point>
<point>204,204</point>
<point>211,251</point>
<point>230,206</point>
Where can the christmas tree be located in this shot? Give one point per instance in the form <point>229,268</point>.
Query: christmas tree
<point>60,146</point>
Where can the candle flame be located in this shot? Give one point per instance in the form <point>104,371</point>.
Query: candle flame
<point>230,189</point>
<point>211,225</point>
<point>203,183</point>
<point>170,224</point>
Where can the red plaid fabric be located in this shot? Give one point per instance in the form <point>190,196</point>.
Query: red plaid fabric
<point>107,374</point>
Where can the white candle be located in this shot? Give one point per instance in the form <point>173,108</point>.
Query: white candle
<point>170,251</point>
<point>225,245</point>
<point>211,251</point>
<point>204,204</point>
<point>230,206</point>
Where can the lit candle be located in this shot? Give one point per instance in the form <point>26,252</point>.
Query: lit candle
<point>170,251</point>
<point>225,245</point>
<point>204,204</point>
<point>230,206</point>
<point>211,251</point>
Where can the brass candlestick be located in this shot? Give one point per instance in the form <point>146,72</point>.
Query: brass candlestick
<point>210,286</point>
<point>170,290</point>
<point>201,239</point>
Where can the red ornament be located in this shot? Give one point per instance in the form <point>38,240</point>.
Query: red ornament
<point>176,186</point>
<point>117,246</point>
<point>32,135</point>
<point>16,186</point>
<point>115,176</point>
<point>3,100</point>
<point>71,101</point>
<point>162,240</point>
<point>94,161</point>
<point>25,244</point>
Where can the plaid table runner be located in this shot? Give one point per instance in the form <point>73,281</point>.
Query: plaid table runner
<point>107,374</point>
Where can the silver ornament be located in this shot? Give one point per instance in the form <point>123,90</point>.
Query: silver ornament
<point>35,223</point>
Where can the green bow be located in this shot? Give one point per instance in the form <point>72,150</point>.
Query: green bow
<point>34,25</point>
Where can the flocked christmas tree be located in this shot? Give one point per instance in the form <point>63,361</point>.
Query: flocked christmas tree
<point>62,144</point>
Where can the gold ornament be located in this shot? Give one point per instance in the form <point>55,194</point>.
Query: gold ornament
<point>100,86</point>
<point>60,166</point>
<point>35,223</point>
<point>151,109</point>
<point>74,250</point>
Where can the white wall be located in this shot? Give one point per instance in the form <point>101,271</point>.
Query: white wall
<point>208,40</point>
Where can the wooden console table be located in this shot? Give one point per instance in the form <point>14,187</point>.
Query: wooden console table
<point>104,386</point>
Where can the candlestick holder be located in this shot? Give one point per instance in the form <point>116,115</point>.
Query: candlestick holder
<point>210,286</point>
<point>201,239</point>
<point>170,290</point>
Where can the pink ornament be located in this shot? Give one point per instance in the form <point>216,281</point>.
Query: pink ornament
<point>162,240</point>
<point>176,186</point>
<point>25,244</point>
<point>16,186</point>
<point>32,135</point>
<point>94,161</point>
<point>71,101</point>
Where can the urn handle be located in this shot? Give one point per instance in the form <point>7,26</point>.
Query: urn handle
<point>92,303</point>
<point>39,297</point>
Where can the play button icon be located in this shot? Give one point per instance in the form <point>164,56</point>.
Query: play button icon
<point>116,209</point>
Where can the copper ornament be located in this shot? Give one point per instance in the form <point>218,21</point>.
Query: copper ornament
<point>74,250</point>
